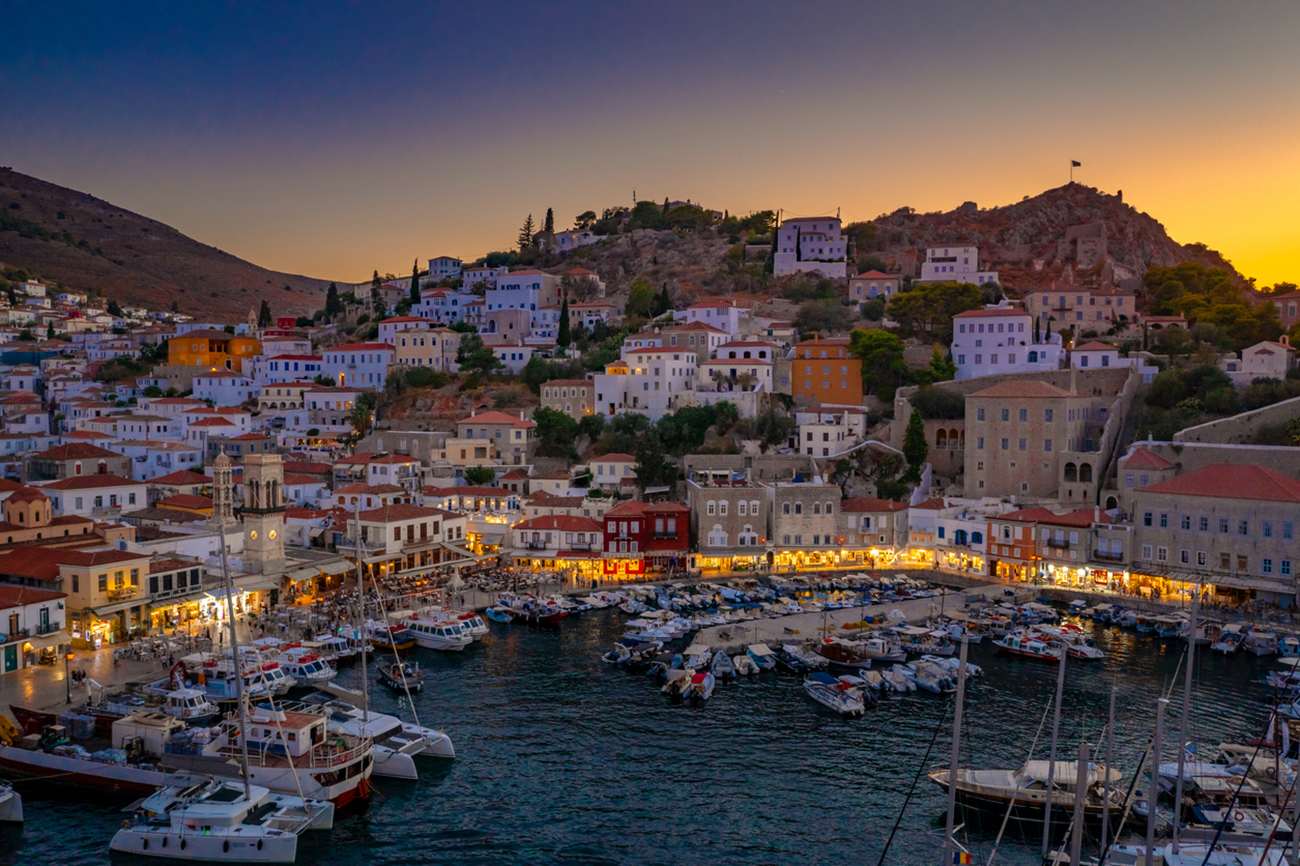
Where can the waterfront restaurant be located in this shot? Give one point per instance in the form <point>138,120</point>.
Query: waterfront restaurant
<point>489,513</point>
<point>559,543</point>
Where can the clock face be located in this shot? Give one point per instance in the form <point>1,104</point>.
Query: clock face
<point>252,533</point>
<point>271,535</point>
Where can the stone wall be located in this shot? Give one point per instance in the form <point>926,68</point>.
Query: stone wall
<point>1239,429</point>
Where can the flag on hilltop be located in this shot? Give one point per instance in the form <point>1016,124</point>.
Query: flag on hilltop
<point>1074,163</point>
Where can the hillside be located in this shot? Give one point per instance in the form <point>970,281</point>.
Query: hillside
<point>66,236</point>
<point>1072,234</point>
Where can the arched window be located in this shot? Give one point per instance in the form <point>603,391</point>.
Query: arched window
<point>1071,472</point>
<point>103,468</point>
<point>1111,502</point>
<point>1085,473</point>
<point>941,439</point>
<point>717,538</point>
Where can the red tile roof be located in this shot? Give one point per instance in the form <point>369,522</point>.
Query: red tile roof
<point>183,476</point>
<point>402,511</point>
<point>1095,346</point>
<point>362,489</point>
<point>28,494</point>
<point>1231,481</point>
<point>91,482</point>
<point>497,418</point>
<point>984,314</point>
<point>468,491</point>
<point>875,275</point>
<point>76,451</point>
<point>1022,389</point>
<point>17,596</point>
<point>184,501</point>
<point>561,522</point>
<point>1082,517</point>
<point>614,458</point>
<point>934,503</point>
<point>1141,458</point>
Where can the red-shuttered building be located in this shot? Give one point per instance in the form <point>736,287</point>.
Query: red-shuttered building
<point>645,536</point>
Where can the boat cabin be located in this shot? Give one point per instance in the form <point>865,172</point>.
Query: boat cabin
<point>284,732</point>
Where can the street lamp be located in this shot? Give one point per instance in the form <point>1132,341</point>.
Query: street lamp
<point>67,678</point>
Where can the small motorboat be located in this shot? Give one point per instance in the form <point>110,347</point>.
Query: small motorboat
<point>811,661</point>
<point>392,638</point>
<point>723,668</point>
<point>762,656</point>
<point>896,680</point>
<point>697,657</point>
<point>676,684</point>
<point>500,614</point>
<point>700,688</point>
<point>1027,647</point>
<point>834,694</point>
<point>744,666</point>
<point>789,663</point>
<point>1229,640</point>
<point>401,675</point>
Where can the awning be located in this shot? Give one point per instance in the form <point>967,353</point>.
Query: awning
<point>110,609</point>
<point>44,640</point>
<point>160,603</point>
<point>461,552</point>
<point>260,583</point>
<point>497,538</point>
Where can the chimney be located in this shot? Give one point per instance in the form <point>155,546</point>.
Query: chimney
<point>1096,514</point>
<point>1073,377</point>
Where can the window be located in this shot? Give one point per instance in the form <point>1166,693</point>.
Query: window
<point>1047,414</point>
<point>1024,444</point>
<point>1287,527</point>
<point>1242,563</point>
<point>1006,444</point>
<point>798,508</point>
<point>785,508</point>
<point>1186,522</point>
<point>979,443</point>
<point>1047,444</point>
<point>1147,518</point>
<point>1162,554</point>
<point>1184,556</point>
<point>1286,566</point>
<point>1267,530</point>
<point>1200,557</point>
<point>1224,559</point>
<point>979,414</point>
<point>1243,527</point>
<point>722,508</point>
<point>1205,524</point>
<point>1146,552</point>
<point>103,582</point>
<point>1267,566</point>
<point>1128,480</point>
<point>1024,414</point>
<point>1164,521</point>
<point>712,508</point>
<point>1006,414</point>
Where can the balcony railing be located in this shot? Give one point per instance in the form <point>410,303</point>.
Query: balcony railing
<point>535,545</point>
<point>580,545</point>
<point>48,627</point>
<point>118,593</point>
<point>1107,557</point>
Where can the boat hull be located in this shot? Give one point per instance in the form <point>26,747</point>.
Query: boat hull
<point>11,809</point>
<point>125,778</point>
<point>206,847</point>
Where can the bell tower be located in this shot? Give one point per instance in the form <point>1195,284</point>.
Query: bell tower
<point>264,513</point>
<point>223,492</point>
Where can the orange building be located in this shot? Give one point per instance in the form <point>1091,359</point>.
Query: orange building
<point>214,349</point>
<point>823,371</point>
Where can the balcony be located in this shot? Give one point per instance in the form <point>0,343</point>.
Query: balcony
<point>48,627</point>
<point>1107,557</point>
<point>118,593</point>
<point>579,545</point>
<point>535,545</point>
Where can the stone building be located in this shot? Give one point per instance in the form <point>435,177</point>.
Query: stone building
<point>77,458</point>
<point>574,397</point>
<point>803,521</point>
<point>729,521</point>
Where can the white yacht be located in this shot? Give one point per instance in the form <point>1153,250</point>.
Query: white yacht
<point>396,742</point>
<point>220,820</point>
<point>306,666</point>
<point>446,636</point>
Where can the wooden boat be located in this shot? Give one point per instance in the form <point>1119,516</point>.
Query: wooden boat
<point>391,638</point>
<point>401,676</point>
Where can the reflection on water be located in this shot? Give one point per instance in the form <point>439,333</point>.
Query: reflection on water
<point>564,759</point>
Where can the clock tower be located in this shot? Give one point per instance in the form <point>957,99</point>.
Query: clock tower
<point>264,514</point>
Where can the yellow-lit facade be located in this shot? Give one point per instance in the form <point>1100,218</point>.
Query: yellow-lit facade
<point>213,349</point>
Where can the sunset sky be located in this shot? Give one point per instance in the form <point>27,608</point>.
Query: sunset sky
<point>334,139</point>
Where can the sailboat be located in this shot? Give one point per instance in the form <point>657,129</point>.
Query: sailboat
<point>201,818</point>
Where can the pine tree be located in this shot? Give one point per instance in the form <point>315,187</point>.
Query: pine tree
<point>915,448</point>
<point>375,283</point>
<point>526,233</point>
<point>563,338</point>
<point>333,306</point>
<point>49,332</point>
<point>665,204</point>
<point>549,225</point>
<point>176,307</point>
<point>264,319</point>
<point>415,282</point>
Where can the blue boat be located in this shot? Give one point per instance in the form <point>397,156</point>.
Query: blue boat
<point>499,614</point>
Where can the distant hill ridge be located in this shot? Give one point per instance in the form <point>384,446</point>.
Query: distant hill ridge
<point>66,236</point>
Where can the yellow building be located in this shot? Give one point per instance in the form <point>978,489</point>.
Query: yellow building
<point>216,350</point>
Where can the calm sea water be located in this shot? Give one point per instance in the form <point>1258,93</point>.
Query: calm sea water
<point>563,759</point>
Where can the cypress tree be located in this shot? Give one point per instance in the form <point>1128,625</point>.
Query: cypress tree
<point>665,204</point>
<point>526,232</point>
<point>415,282</point>
<point>915,448</point>
<point>563,338</point>
<point>549,225</point>
<point>375,283</point>
<point>264,315</point>
<point>333,306</point>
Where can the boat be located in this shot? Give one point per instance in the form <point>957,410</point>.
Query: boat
<point>1171,625</point>
<point>1260,642</point>
<point>896,680</point>
<point>436,635</point>
<point>790,663</point>
<point>697,657</point>
<point>220,820</point>
<point>1229,640</point>
<point>953,665</point>
<point>401,676</point>
<point>744,665</point>
<point>334,649</point>
<point>762,656</point>
<point>305,665</point>
<point>397,744</point>
<point>833,694</point>
<point>723,668</point>
<point>700,688</point>
<point>1077,645</point>
<point>880,649</point>
<point>676,683</point>
<point>843,655</point>
<point>390,638</point>
<point>1253,821</point>
<point>288,751</point>
<point>1028,647</point>
<point>182,702</point>
<point>929,676</point>
<point>216,677</point>
<point>500,614</point>
<point>11,804</point>
<point>1288,646</point>
<point>811,661</point>
<point>1025,790</point>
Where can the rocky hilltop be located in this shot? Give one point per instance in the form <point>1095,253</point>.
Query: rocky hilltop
<point>1071,234</point>
<point>86,243</point>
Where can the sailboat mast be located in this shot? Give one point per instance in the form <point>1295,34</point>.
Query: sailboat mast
<point>1051,760</point>
<point>238,663</point>
<point>1153,788</point>
<point>1110,749</point>
<point>956,753</point>
<point>1081,778</point>
<point>1187,711</point>
<point>361,618</point>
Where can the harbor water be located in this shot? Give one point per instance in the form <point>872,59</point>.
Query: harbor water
<point>564,759</point>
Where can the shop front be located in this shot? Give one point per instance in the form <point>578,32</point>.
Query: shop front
<point>960,560</point>
<point>729,560</point>
<point>574,563</point>
<point>622,568</point>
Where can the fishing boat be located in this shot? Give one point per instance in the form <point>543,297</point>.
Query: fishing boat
<point>500,614</point>
<point>1024,794</point>
<point>833,694</point>
<point>790,663</point>
<point>182,702</point>
<point>220,820</point>
<point>762,656</point>
<point>1171,625</point>
<point>811,661</point>
<point>897,681</point>
<point>388,638</point>
<point>700,688</point>
<point>11,804</point>
<point>401,676</point>
<point>844,656</point>
<point>1029,647</point>
<point>879,649</point>
<point>1260,642</point>
<point>1077,645</point>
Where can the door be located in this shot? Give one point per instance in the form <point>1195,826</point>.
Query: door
<point>11,657</point>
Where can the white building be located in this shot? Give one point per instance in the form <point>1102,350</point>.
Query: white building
<point>362,365</point>
<point>224,387</point>
<point>444,268</point>
<point>388,328</point>
<point>32,619</point>
<point>94,495</point>
<point>523,290</point>
<point>1000,339</point>
<point>288,368</point>
<point>810,245</point>
<point>476,274</point>
<point>722,315</point>
<point>954,264</point>
<point>1267,360</point>
<point>609,470</point>
<point>154,458</point>
<point>444,305</point>
<point>825,431</point>
<point>647,381</point>
<point>1094,354</point>
<point>571,239</point>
